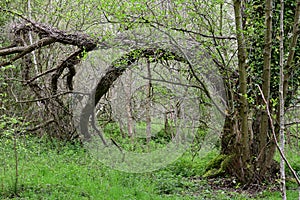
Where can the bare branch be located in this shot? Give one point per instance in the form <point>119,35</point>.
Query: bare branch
<point>292,123</point>
<point>45,98</point>
<point>142,20</point>
<point>24,50</point>
<point>40,125</point>
<point>69,63</point>
<point>42,74</point>
<point>196,33</point>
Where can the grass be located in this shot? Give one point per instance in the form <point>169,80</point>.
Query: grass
<point>66,171</point>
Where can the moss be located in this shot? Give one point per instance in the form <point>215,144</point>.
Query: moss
<point>217,166</point>
<point>227,160</point>
<point>212,173</point>
<point>216,162</point>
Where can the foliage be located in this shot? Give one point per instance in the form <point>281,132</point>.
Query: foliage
<point>254,30</point>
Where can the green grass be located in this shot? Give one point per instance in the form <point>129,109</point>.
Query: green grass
<point>66,171</point>
<point>69,173</point>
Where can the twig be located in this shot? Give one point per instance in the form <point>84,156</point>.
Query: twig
<point>295,136</point>
<point>292,123</point>
<point>275,139</point>
<point>45,98</point>
<point>42,74</point>
<point>40,125</point>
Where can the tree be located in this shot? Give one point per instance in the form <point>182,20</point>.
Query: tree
<point>254,163</point>
<point>246,141</point>
<point>281,101</point>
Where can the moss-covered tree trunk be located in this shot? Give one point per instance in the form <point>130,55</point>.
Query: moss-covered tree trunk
<point>246,140</point>
<point>258,165</point>
<point>248,153</point>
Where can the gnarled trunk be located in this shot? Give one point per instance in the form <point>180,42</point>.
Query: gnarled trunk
<point>259,164</point>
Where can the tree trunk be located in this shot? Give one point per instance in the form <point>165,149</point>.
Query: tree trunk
<point>246,142</point>
<point>264,126</point>
<point>242,138</point>
<point>148,104</point>
<point>281,102</point>
<point>128,92</point>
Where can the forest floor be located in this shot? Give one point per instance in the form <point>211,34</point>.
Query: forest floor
<point>38,169</point>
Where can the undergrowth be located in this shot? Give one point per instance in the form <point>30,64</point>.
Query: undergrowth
<point>57,170</point>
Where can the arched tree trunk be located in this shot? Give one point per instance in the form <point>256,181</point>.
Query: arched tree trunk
<point>115,70</point>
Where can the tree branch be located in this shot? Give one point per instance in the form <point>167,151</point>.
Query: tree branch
<point>24,50</point>
<point>45,98</point>
<point>115,70</point>
<point>40,125</point>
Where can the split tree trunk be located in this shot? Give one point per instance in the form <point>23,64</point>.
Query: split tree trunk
<point>246,141</point>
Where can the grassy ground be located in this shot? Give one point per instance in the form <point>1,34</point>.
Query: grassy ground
<point>66,171</point>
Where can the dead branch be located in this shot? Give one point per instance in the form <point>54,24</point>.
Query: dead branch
<point>24,50</point>
<point>69,63</point>
<point>41,74</point>
<point>40,125</point>
<point>39,44</point>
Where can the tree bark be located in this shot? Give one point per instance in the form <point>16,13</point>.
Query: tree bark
<point>264,126</point>
<point>281,102</point>
<point>128,92</point>
<point>242,137</point>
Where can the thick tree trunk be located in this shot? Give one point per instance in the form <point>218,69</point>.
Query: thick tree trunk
<point>257,170</point>
<point>246,142</point>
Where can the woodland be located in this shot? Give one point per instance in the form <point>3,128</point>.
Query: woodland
<point>156,99</point>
